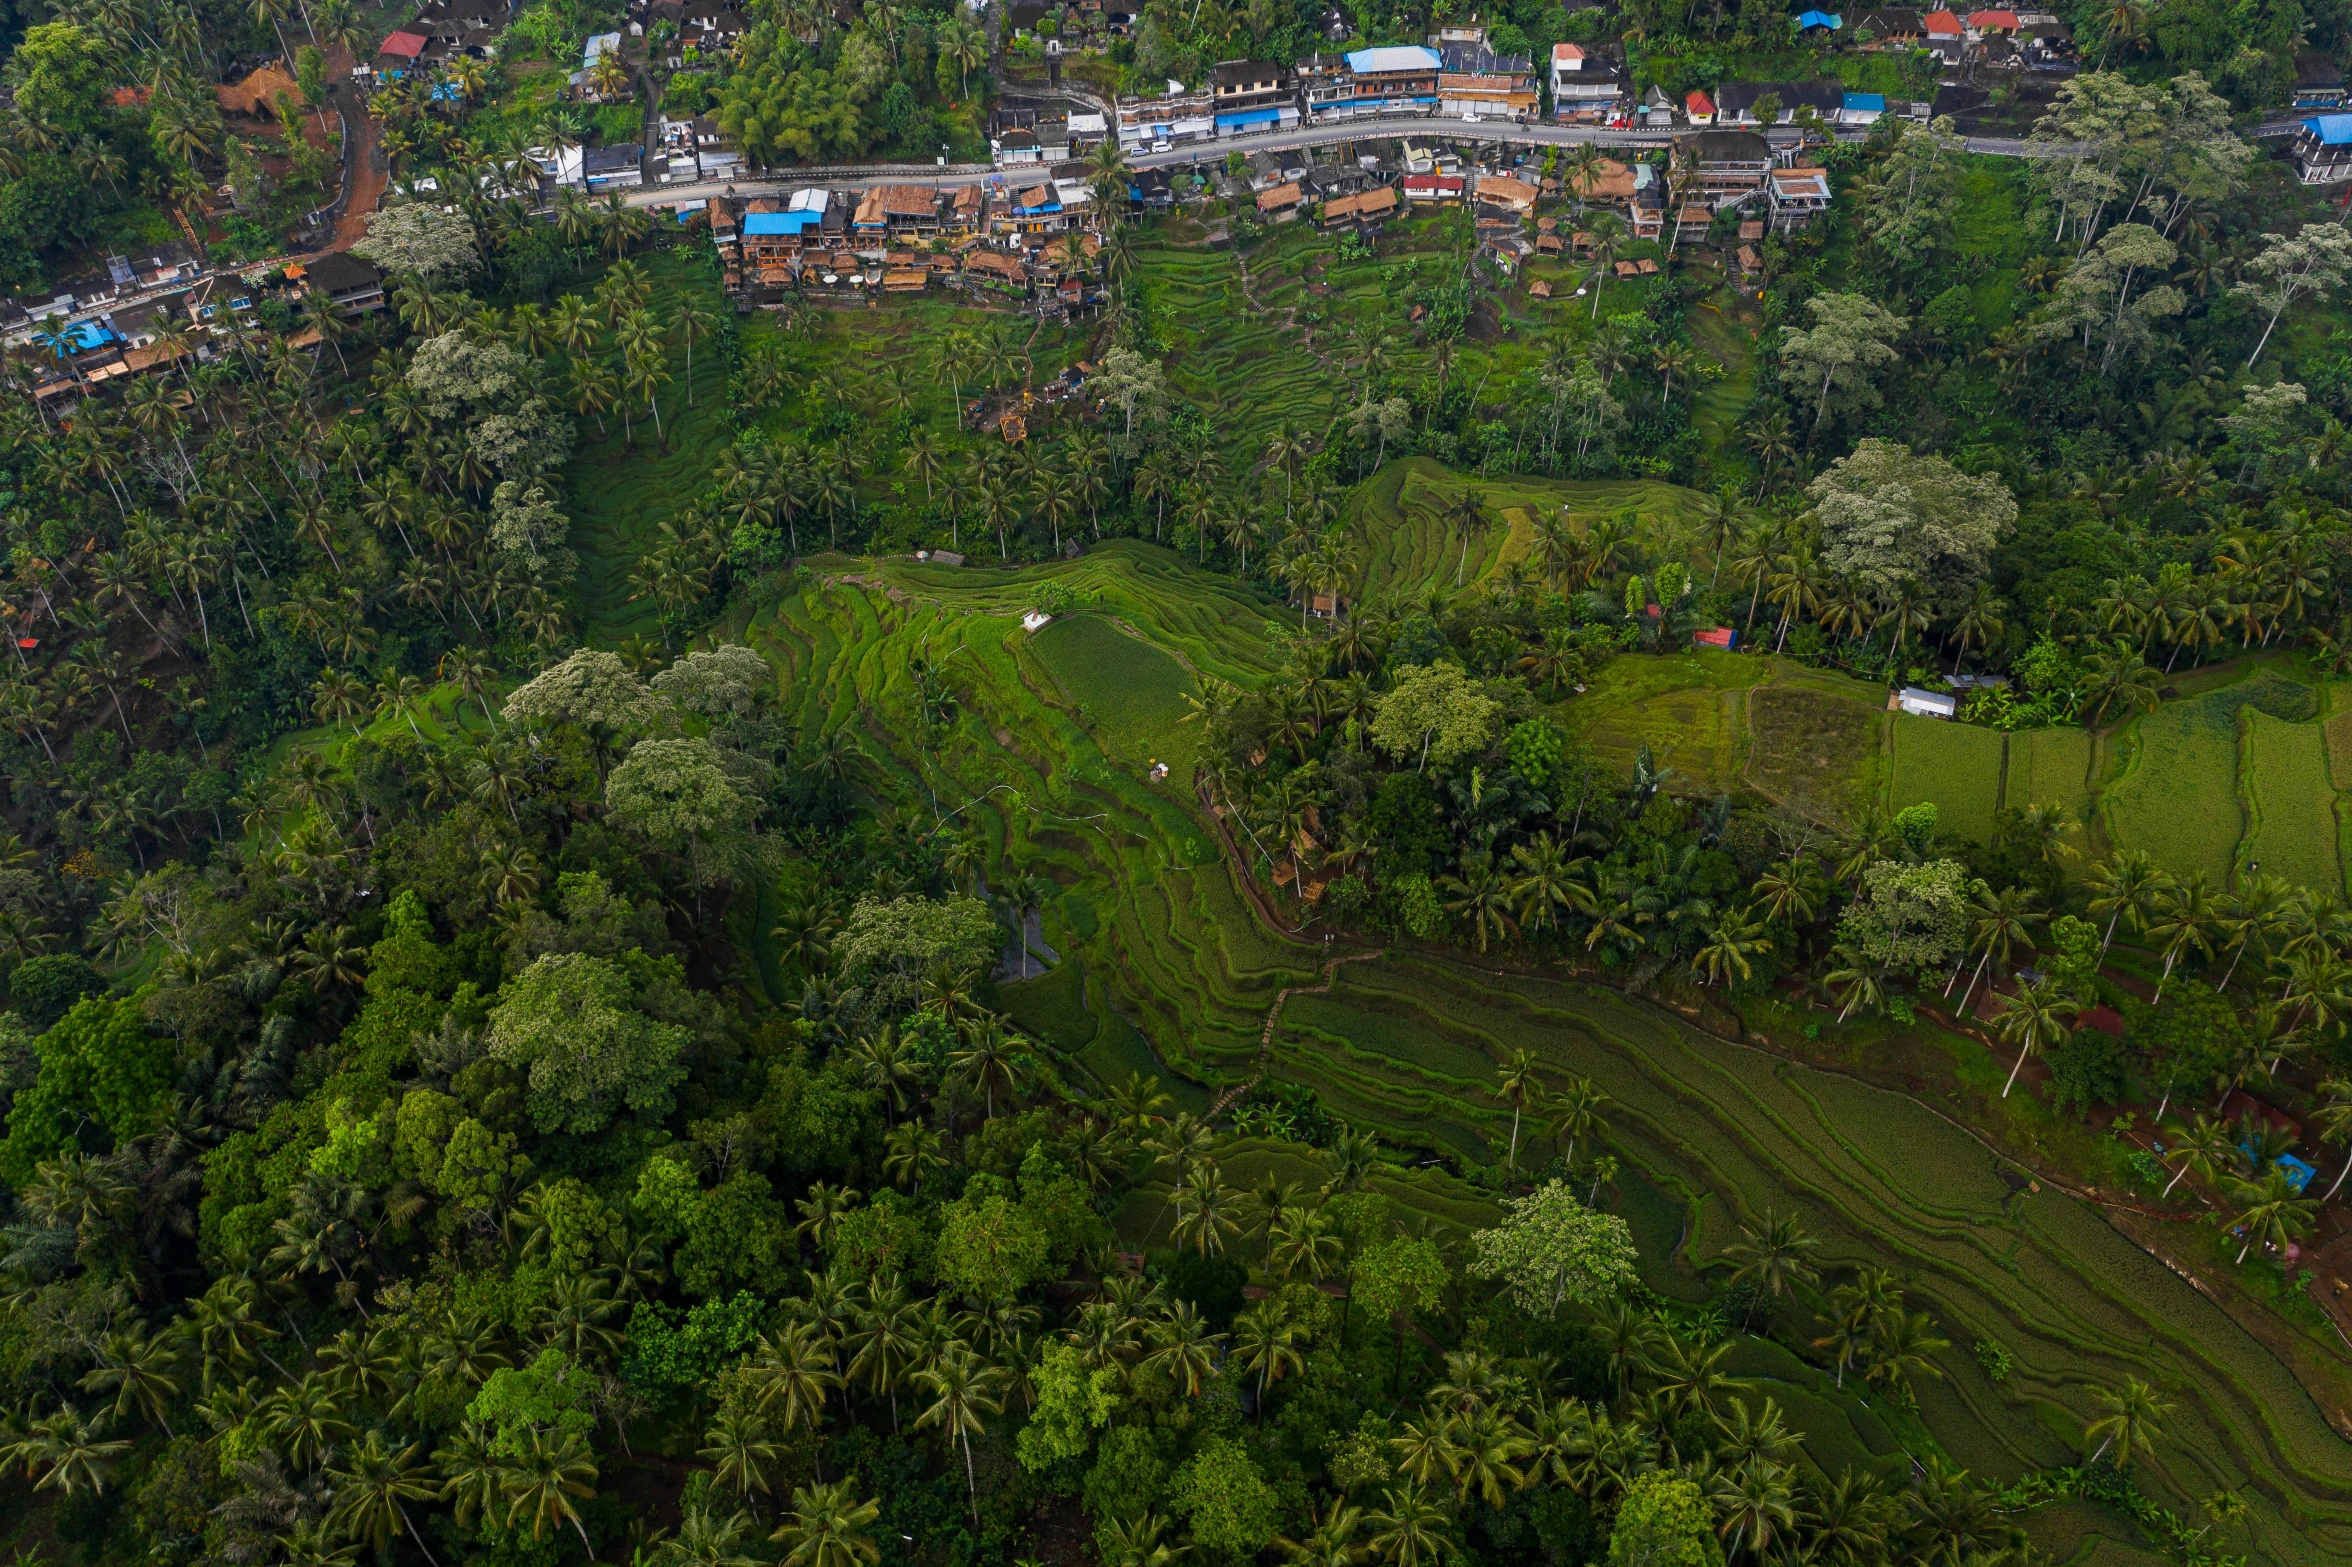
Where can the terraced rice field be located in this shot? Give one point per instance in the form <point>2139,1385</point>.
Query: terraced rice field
<point>1955,767</point>
<point>1690,710</point>
<point>2290,804</point>
<point>1168,969</point>
<point>1246,367</point>
<point>1882,1180</point>
<point>1412,549</point>
<point>1128,692</point>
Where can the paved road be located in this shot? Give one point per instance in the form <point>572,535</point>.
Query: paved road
<point>1379,128</point>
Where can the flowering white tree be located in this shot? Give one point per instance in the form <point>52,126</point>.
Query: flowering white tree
<point>1551,1248</point>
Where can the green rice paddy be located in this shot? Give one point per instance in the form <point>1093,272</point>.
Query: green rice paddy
<point>1170,970</point>
<point>1956,767</point>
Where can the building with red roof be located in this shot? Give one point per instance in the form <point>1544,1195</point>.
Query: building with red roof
<point>1941,24</point>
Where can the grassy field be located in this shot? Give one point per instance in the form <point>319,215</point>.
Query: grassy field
<point>2172,775</point>
<point>2050,767</point>
<point>1690,710</point>
<point>1817,748</point>
<point>2289,803</point>
<point>1956,767</point>
<point>1128,692</point>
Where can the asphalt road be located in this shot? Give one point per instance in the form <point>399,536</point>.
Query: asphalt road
<point>1381,128</point>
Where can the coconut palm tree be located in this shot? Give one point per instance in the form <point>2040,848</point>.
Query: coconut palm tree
<point>1516,1084</point>
<point>2271,1213</point>
<point>1735,939</point>
<point>1777,1258</point>
<point>543,1485</point>
<point>2004,921</point>
<point>827,1526</point>
<point>2126,1422</point>
<point>2035,1018</point>
<point>2185,917</point>
<point>2128,888</point>
<point>1265,1341</point>
<point>373,1489</point>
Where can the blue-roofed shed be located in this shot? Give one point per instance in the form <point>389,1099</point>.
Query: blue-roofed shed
<point>2333,130</point>
<point>1861,108</point>
<point>1813,19</point>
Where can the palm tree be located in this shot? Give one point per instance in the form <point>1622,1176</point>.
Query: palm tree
<point>2207,1146</point>
<point>707,1539</point>
<point>965,1389</point>
<point>372,1491</point>
<point>1468,520</point>
<point>1778,1258</point>
<point>69,1451</point>
<point>2126,1421</point>
<point>1286,450</point>
<point>740,1450</point>
<point>2271,1213</point>
<point>1736,938</point>
<point>2333,1119</point>
<point>137,1368</point>
<point>2004,921</point>
<point>1185,1349</point>
<point>2033,1019</point>
<point>691,320</point>
<point>2127,887</point>
<point>2185,919</point>
<point>1518,1083</point>
<point>1608,236</point>
<point>1265,1341</point>
<point>2119,678</point>
<point>1410,1529</point>
<point>827,1527</point>
<point>556,1469</point>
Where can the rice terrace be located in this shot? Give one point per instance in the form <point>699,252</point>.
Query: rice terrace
<point>1013,785</point>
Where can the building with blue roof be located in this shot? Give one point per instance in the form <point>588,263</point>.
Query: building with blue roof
<point>1861,108</point>
<point>781,225</point>
<point>1821,19</point>
<point>2323,149</point>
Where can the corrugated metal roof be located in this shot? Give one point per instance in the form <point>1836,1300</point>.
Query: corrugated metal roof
<point>1402,57</point>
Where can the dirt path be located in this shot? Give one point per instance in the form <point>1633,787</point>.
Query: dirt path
<point>365,181</point>
<point>1274,1016</point>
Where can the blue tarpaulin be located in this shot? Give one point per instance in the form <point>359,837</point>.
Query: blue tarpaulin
<point>79,338</point>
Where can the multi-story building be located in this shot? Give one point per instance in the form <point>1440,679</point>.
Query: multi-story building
<point>1478,84</point>
<point>1160,123</point>
<point>1249,96</point>
<point>2323,149</point>
<point>1398,79</point>
<point>1589,82</point>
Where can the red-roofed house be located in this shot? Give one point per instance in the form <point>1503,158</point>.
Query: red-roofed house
<point>1699,107</point>
<point>402,48</point>
<point>1941,27</point>
<point>1432,187</point>
<point>1983,22</point>
<point>1722,636</point>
